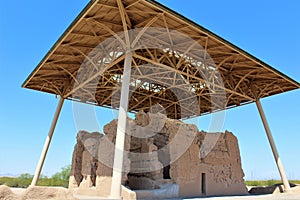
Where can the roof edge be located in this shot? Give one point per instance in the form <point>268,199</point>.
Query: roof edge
<point>60,39</point>
<point>172,12</point>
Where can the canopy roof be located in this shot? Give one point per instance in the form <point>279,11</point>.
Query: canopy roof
<point>74,70</point>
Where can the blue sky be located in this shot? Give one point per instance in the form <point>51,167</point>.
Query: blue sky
<point>267,29</point>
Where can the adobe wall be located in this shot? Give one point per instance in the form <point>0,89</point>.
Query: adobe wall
<point>221,168</point>
<point>91,170</point>
<point>170,154</point>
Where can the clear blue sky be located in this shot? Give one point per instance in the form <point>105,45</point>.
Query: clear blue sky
<point>267,29</point>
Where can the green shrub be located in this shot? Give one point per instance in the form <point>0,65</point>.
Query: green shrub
<point>24,180</point>
<point>268,182</point>
<point>15,182</point>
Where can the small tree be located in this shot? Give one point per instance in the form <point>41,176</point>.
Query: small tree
<point>64,174</point>
<point>26,176</point>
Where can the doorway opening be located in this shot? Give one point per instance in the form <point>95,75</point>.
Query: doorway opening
<point>166,172</point>
<point>203,183</point>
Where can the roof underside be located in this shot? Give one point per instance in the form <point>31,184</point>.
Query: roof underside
<point>186,83</point>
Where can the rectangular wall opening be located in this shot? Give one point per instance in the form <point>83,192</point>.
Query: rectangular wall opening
<point>203,183</point>
<point>166,172</point>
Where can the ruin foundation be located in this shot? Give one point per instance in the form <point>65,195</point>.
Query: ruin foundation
<point>163,158</point>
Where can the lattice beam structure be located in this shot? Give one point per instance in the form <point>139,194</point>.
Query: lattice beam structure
<point>159,75</point>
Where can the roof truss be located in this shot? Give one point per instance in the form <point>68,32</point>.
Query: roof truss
<point>244,78</point>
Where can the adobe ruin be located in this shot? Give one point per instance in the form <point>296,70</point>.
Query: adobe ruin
<point>169,159</point>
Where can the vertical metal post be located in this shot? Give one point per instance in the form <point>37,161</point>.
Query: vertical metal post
<point>273,146</point>
<point>47,143</point>
<point>115,191</point>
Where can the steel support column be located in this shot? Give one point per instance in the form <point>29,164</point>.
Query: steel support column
<point>273,146</point>
<point>115,192</point>
<point>47,143</point>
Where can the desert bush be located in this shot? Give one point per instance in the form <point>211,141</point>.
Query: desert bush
<point>268,182</point>
<point>24,180</point>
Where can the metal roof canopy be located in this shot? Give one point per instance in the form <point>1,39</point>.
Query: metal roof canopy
<point>245,78</point>
<point>75,69</point>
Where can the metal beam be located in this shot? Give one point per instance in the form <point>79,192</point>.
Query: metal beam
<point>47,143</point>
<point>273,146</point>
<point>125,20</point>
<point>192,76</point>
<point>92,77</point>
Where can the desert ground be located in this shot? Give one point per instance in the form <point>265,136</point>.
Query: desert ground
<point>56,193</point>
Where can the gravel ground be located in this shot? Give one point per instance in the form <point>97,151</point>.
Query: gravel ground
<point>18,191</point>
<point>289,196</point>
<point>250,197</point>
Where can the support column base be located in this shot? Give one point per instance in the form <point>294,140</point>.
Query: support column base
<point>115,198</point>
